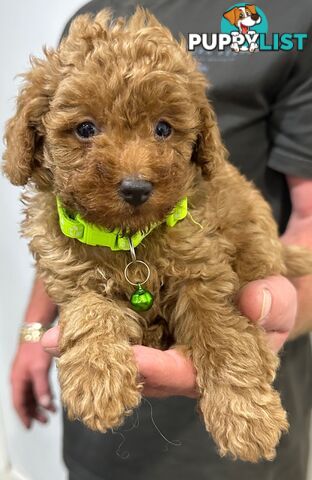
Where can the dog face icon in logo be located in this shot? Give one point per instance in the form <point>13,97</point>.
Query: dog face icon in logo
<point>244,18</point>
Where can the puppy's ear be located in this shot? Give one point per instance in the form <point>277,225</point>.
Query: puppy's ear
<point>24,132</point>
<point>209,152</point>
<point>252,9</point>
<point>231,15</point>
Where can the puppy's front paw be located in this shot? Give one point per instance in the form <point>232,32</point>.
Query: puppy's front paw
<point>235,47</point>
<point>245,424</point>
<point>253,47</point>
<point>99,387</point>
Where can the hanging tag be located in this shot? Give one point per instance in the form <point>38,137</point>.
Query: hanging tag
<point>141,299</point>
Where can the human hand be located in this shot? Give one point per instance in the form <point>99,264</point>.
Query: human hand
<point>31,390</point>
<point>271,303</point>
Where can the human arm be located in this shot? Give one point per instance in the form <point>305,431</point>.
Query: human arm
<point>299,232</point>
<point>30,369</point>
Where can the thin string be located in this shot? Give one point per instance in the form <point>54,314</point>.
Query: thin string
<point>124,455</point>
<point>101,273</point>
<point>175,443</point>
<point>194,221</point>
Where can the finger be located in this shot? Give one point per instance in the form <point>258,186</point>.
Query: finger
<point>38,415</point>
<point>165,373</point>
<point>34,410</point>
<point>20,401</point>
<point>49,341</point>
<point>23,413</point>
<point>42,390</point>
<point>272,303</point>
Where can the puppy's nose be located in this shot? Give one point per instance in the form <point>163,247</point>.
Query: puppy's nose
<point>135,191</point>
<point>255,16</point>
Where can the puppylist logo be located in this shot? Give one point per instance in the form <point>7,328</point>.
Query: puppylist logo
<point>244,28</point>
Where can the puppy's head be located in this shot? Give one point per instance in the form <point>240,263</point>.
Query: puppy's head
<point>115,121</point>
<point>243,17</point>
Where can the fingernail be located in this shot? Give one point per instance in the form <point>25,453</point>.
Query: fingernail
<point>266,305</point>
<point>45,400</point>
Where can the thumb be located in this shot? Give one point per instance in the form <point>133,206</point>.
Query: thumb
<point>49,341</point>
<point>271,303</point>
<point>42,390</point>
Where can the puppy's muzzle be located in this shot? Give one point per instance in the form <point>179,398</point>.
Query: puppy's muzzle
<point>135,191</point>
<point>255,16</point>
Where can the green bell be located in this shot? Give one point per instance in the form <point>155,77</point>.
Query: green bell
<point>141,300</point>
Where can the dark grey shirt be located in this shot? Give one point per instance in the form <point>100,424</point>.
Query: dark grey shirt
<point>264,107</point>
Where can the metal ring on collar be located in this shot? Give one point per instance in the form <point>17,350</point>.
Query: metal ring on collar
<point>147,275</point>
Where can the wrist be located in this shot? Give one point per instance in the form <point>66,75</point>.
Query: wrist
<point>44,313</point>
<point>45,322</point>
<point>32,332</point>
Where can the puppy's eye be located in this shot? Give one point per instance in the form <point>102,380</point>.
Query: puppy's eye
<point>86,130</point>
<point>163,129</point>
<point>241,15</point>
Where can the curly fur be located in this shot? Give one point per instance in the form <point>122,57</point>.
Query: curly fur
<point>125,76</point>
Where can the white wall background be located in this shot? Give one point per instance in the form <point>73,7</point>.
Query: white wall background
<point>25,25</point>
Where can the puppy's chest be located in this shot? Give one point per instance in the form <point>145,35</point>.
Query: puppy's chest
<point>162,264</point>
<point>119,277</point>
<point>120,280</point>
<point>155,321</point>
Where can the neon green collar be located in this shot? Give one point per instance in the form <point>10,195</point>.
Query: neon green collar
<point>90,234</point>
